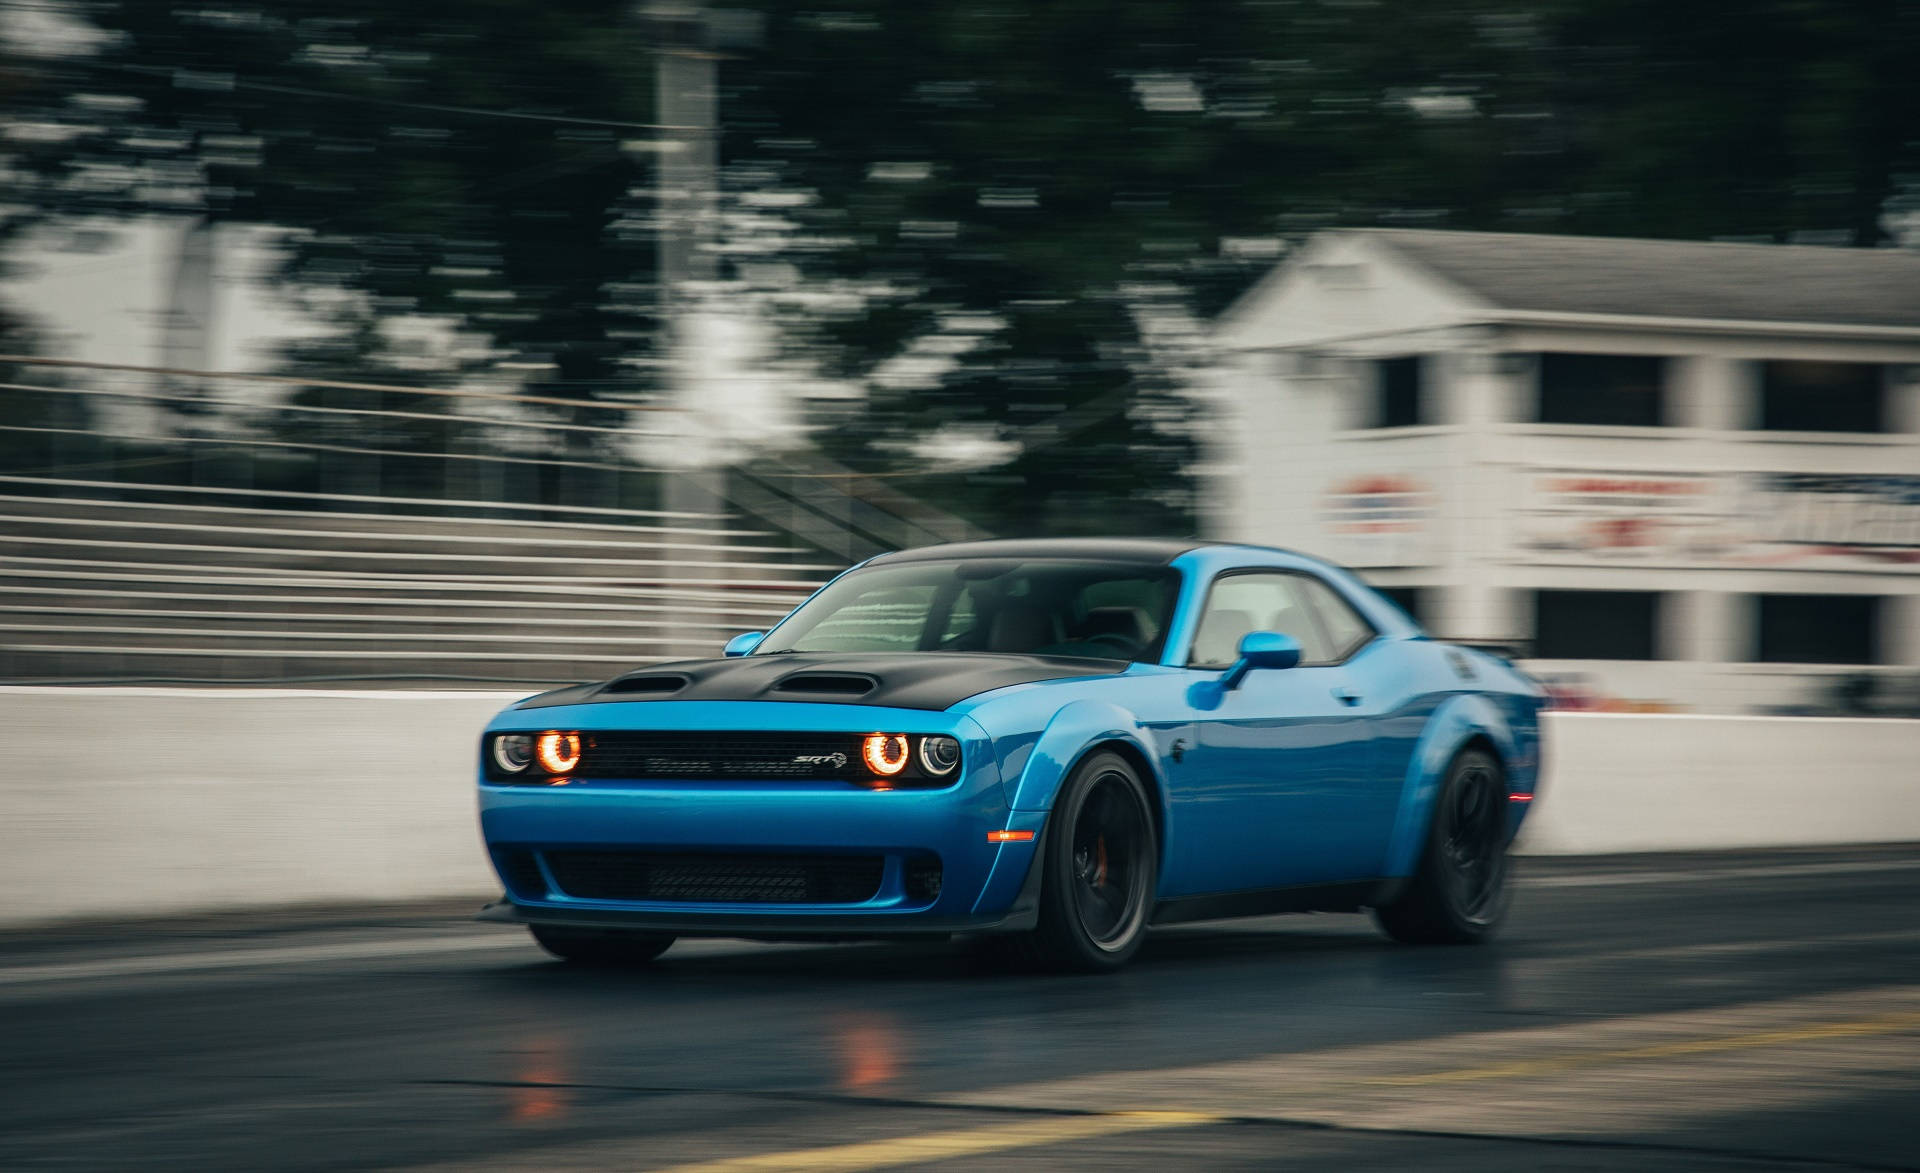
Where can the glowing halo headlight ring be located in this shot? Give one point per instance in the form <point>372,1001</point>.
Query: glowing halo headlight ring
<point>884,753</point>
<point>558,753</point>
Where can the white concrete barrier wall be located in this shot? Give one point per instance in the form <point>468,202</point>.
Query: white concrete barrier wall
<point>1619,782</point>
<point>131,802</point>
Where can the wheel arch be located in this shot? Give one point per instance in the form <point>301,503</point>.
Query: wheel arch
<point>1479,741</point>
<point>1461,722</point>
<point>1074,733</point>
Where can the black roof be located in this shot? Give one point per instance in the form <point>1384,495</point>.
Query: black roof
<point>1672,278</point>
<point>1148,551</point>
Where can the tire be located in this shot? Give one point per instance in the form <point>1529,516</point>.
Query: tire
<point>600,946</point>
<point>1458,893</point>
<point>1101,861</point>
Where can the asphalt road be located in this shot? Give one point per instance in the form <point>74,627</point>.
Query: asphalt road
<point>1751,1011</point>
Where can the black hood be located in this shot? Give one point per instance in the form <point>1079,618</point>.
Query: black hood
<point>899,680</point>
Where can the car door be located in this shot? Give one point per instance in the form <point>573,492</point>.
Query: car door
<point>1282,788</point>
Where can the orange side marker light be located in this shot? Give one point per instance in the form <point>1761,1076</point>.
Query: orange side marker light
<point>1009,836</point>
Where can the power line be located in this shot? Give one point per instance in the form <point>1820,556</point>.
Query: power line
<point>475,421</point>
<point>176,73</point>
<point>334,384</point>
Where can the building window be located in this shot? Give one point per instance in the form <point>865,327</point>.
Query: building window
<point>1620,389</point>
<point>1596,625</point>
<point>1823,397</point>
<point>1415,601</point>
<point>1819,629</point>
<point>1398,393</point>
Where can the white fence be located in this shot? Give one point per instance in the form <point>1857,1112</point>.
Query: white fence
<point>129,801</point>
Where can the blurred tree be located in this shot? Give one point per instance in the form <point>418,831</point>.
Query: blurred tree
<point>1043,192</point>
<point>990,234</point>
<point>451,163</point>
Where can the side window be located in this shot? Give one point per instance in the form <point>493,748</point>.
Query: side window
<point>1345,628</point>
<point>1240,603</point>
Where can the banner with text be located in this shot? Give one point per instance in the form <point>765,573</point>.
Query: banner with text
<point>1814,521</point>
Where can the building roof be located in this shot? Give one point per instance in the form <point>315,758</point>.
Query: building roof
<point>1671,278</point>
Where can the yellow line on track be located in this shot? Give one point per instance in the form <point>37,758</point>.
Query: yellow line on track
<point>941,1146</point>
<point>1049,1130</point>
<point>1813,1032</point>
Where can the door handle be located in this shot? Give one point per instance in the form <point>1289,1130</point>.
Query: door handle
<point>1346,696</point>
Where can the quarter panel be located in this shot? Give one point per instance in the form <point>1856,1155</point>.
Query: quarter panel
<point>1456,720</point>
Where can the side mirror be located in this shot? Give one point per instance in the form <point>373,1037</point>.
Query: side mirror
<point>1269,649</point>
<point>744,643</point>
<point>1262,649</point>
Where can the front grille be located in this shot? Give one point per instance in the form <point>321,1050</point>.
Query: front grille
<point>674,754</point>
<point>716,878</point>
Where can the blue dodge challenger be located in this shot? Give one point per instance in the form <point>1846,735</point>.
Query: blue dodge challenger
<point>1058,742</point>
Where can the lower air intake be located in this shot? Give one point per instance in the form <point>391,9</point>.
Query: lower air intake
<point>520,873</point>
<point>923,879</point>
<point>716,879</point>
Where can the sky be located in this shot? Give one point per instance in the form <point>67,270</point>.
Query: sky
<point>98,291</point>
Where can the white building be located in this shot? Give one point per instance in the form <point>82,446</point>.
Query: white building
<point>1680,473</point>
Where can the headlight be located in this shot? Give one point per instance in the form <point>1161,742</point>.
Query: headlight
<point>884,753</point>
<point>939,755</point>
<point>559,753</point>
<point>512,752</point>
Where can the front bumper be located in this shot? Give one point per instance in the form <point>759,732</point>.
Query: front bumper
<point>1022,915</point>
<point>984,886</point>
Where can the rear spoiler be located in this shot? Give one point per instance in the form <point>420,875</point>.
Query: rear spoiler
<point>1506,649</point>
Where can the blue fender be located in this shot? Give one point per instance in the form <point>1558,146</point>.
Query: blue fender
<point>1065,741</point>
<point>1459,718</point>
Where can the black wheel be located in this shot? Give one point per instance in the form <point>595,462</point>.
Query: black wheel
<point>1102,863</point>
<point>600,946</point>
<point>1458,893</point>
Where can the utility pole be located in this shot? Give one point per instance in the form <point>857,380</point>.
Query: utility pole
<point>685,181</point>
<point>186,343</point>
<point>688,37</point>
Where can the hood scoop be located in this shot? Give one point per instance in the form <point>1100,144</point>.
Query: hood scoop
<point>652,684</point>
<point>931,681</point>
<point>838,684</point>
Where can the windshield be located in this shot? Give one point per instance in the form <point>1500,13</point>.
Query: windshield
<point>1105,610</point>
